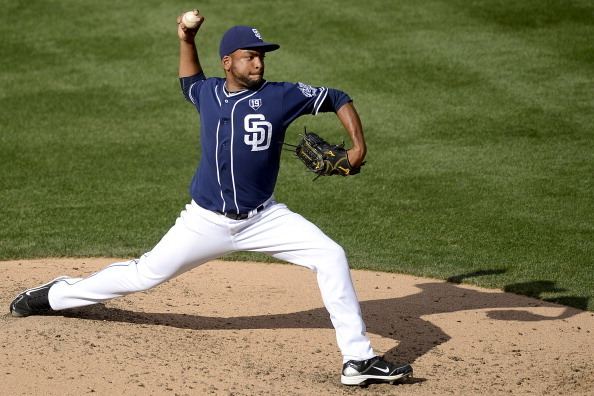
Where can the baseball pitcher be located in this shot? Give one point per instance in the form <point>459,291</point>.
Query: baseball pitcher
<point>243,119</point>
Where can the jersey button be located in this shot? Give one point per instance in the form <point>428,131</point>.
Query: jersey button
<point>226,101</point>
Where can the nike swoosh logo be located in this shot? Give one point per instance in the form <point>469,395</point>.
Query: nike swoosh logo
<point>386,370</point>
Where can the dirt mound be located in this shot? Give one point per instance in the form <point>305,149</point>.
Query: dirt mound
<point>251,328</point>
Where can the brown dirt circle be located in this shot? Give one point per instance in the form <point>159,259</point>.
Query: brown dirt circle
<point>251,328</point>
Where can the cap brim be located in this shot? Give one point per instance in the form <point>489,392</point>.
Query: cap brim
<point>264,46</point>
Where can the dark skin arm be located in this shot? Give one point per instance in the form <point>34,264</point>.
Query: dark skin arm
<point>349,117</point>
<point>189,63</point>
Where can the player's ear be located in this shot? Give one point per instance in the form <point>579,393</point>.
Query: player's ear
<point>226,62</point>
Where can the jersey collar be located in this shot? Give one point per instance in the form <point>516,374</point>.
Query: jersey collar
<point>233,94</point>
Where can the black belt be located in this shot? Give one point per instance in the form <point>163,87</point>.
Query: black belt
<point>241,216</point>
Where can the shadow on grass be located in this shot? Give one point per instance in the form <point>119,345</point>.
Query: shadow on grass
<point>401,318</point>
<point>534,289</point>
<point>460,278</point>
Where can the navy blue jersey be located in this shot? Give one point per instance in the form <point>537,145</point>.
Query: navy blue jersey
<point>242,134</point>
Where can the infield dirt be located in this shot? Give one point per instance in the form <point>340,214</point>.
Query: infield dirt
<point>251,328</point>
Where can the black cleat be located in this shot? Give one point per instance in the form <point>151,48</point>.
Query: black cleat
<point>33,301</point>
<point>358,372</point>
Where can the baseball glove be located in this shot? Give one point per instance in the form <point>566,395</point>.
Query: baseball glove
<point>323,158</point>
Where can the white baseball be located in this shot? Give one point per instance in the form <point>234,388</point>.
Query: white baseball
<point>190,19</point>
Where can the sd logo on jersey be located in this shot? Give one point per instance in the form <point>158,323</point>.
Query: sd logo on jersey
<point>258,131</point>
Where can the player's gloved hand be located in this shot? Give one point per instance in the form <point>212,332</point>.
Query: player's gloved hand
<point>323,158</point>
<point>356,157</point>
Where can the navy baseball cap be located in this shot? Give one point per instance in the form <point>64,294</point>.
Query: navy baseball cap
<point>244,37</point>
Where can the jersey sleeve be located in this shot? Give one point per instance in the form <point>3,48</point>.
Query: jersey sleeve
<point>301,99</point>
<point>191,86</point>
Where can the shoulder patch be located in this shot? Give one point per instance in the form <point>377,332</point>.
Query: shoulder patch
<point>307,90</point>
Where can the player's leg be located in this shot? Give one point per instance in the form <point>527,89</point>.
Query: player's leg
<point>196,237</point>
<point>288,236</point>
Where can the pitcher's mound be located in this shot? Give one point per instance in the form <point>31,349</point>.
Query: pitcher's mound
<point>251,328</point>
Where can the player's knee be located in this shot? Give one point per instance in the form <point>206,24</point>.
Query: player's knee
<point>148,281</point>
<point>145,284</point>
<point>336,254</point>
<point>144,279</point>
<point>332,261</point>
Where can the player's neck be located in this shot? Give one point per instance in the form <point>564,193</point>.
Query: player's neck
<point>234,87</point>
<point>233,90</point>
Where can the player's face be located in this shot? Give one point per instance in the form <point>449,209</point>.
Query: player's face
<point>246,68</point>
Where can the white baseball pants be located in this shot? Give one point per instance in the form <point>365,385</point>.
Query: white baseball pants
<point>200,235</point>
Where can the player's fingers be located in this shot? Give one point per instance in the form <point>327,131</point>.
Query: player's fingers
<point>200,17</point>
<point>200,20</point>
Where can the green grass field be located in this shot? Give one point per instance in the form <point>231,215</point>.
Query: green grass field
<point>479,118</point>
